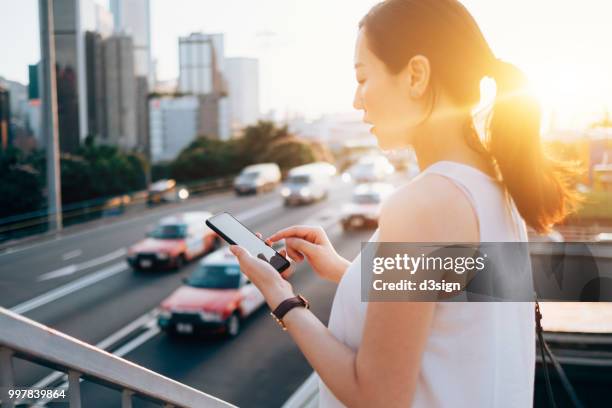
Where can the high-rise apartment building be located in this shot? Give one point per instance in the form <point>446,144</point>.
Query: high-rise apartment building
<point>243,91</point>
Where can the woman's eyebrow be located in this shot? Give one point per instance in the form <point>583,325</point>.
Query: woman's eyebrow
<point>358,64</point>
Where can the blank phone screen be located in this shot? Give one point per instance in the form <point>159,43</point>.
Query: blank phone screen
<point>236,233</point>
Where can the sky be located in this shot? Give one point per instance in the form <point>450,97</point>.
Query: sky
<point>305,47</point>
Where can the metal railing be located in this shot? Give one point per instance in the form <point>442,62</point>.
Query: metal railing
<point>25,339</point>
<point>34,223</point>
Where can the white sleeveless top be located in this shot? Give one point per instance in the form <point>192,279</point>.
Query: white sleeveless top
<point>477,354</point>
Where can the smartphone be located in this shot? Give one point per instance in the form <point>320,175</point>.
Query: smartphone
<point>235,233</point>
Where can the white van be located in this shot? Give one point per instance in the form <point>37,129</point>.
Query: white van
<point>257,177</point>
<point>308,183</point>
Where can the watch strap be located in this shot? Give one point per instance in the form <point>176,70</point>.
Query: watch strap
<point>281,310</point>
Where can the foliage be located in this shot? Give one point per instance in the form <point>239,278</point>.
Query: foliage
<point>263,142</point>
<point>21,187</point>
<point>97,171</point>
<point>206,158</point>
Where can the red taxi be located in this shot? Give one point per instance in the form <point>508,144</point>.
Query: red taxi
<point>216,297</point>
<point>174,241</point>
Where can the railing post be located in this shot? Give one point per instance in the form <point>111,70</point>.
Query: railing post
<point>74,388</point>
<point>126,398</point>
<point>6,373</point>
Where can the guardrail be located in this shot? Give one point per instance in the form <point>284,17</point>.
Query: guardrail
<point>25,339</point>
<point>32,223</point>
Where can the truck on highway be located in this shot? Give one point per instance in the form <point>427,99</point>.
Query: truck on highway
<point>308,183</point>
<point>257,178</point>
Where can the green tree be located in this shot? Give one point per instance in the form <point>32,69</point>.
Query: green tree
<point>21,189</point>
<point>97,171</point>
<point>257,139</point>
<point>259,143</point>
<point>206,158</point>
<point>289,152</point>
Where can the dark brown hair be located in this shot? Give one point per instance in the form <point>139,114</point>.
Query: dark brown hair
<point>459,56</point>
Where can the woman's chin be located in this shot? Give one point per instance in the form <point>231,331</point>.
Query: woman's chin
<point>388,143</point>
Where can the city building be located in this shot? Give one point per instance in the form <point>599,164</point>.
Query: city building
<point>71,19</point>
<point>120,92</point>
<point>174,123</point>
<point>212,109</point>
<point>33,114</point>
<point>201,63</point>
<point>96,86</point>
<point>201,72</point>
<point>5,117</point>
<point>19,134</point>
<point>243,88</point>
<point>133,18</point>
<point>142,115</point>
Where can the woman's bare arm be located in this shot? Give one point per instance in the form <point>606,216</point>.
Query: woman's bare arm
<point>385,368</point>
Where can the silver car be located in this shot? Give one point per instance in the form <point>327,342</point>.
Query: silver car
<point>364,209</point>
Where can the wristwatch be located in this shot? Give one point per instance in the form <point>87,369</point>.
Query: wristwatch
<point>286,305</point>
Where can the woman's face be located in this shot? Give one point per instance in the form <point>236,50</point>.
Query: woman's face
<point>392,103</point>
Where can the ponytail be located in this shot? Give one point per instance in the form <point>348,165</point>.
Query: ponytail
<point>541,187</point>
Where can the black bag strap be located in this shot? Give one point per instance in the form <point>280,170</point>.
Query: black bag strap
<point>544,352</point>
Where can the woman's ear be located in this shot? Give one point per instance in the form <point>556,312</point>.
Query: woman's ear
<point>418,72</point>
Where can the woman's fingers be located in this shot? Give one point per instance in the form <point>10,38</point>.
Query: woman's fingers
<point>293,254</point>
<point>300,247</point>
<point>299,231</point>
<point>267,241</point>
<point>287,272</point>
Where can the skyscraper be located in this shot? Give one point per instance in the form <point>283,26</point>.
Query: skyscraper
<point>173,124</point>
<point>201,72</point>
<point>70,20</point>
<point>120,92</point>
<point>133,18</point>
<point>243,87</point>
<point>201,63</point>
<point>96,86</point>
<point>5,118</point>
<point>34,104</point>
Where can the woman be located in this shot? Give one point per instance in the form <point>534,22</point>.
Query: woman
<point>418,65</point>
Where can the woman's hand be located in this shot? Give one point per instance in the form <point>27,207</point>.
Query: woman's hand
<point>272,285</point>
<point>312,243</point>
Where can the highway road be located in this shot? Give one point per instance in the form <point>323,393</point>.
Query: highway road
<point>80,284</point>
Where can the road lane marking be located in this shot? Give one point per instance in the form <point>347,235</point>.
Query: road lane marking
<point>69,288</point>
<point>143,321</point>
<point>245,215</point>
<point>72,254</point>
<point>109,271</point>
<point>70,269</point>
<point>148,320</point>
<point>66,270</point>
<point>122,351</point>
<point>160,212</point>
<point>138,341</point>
